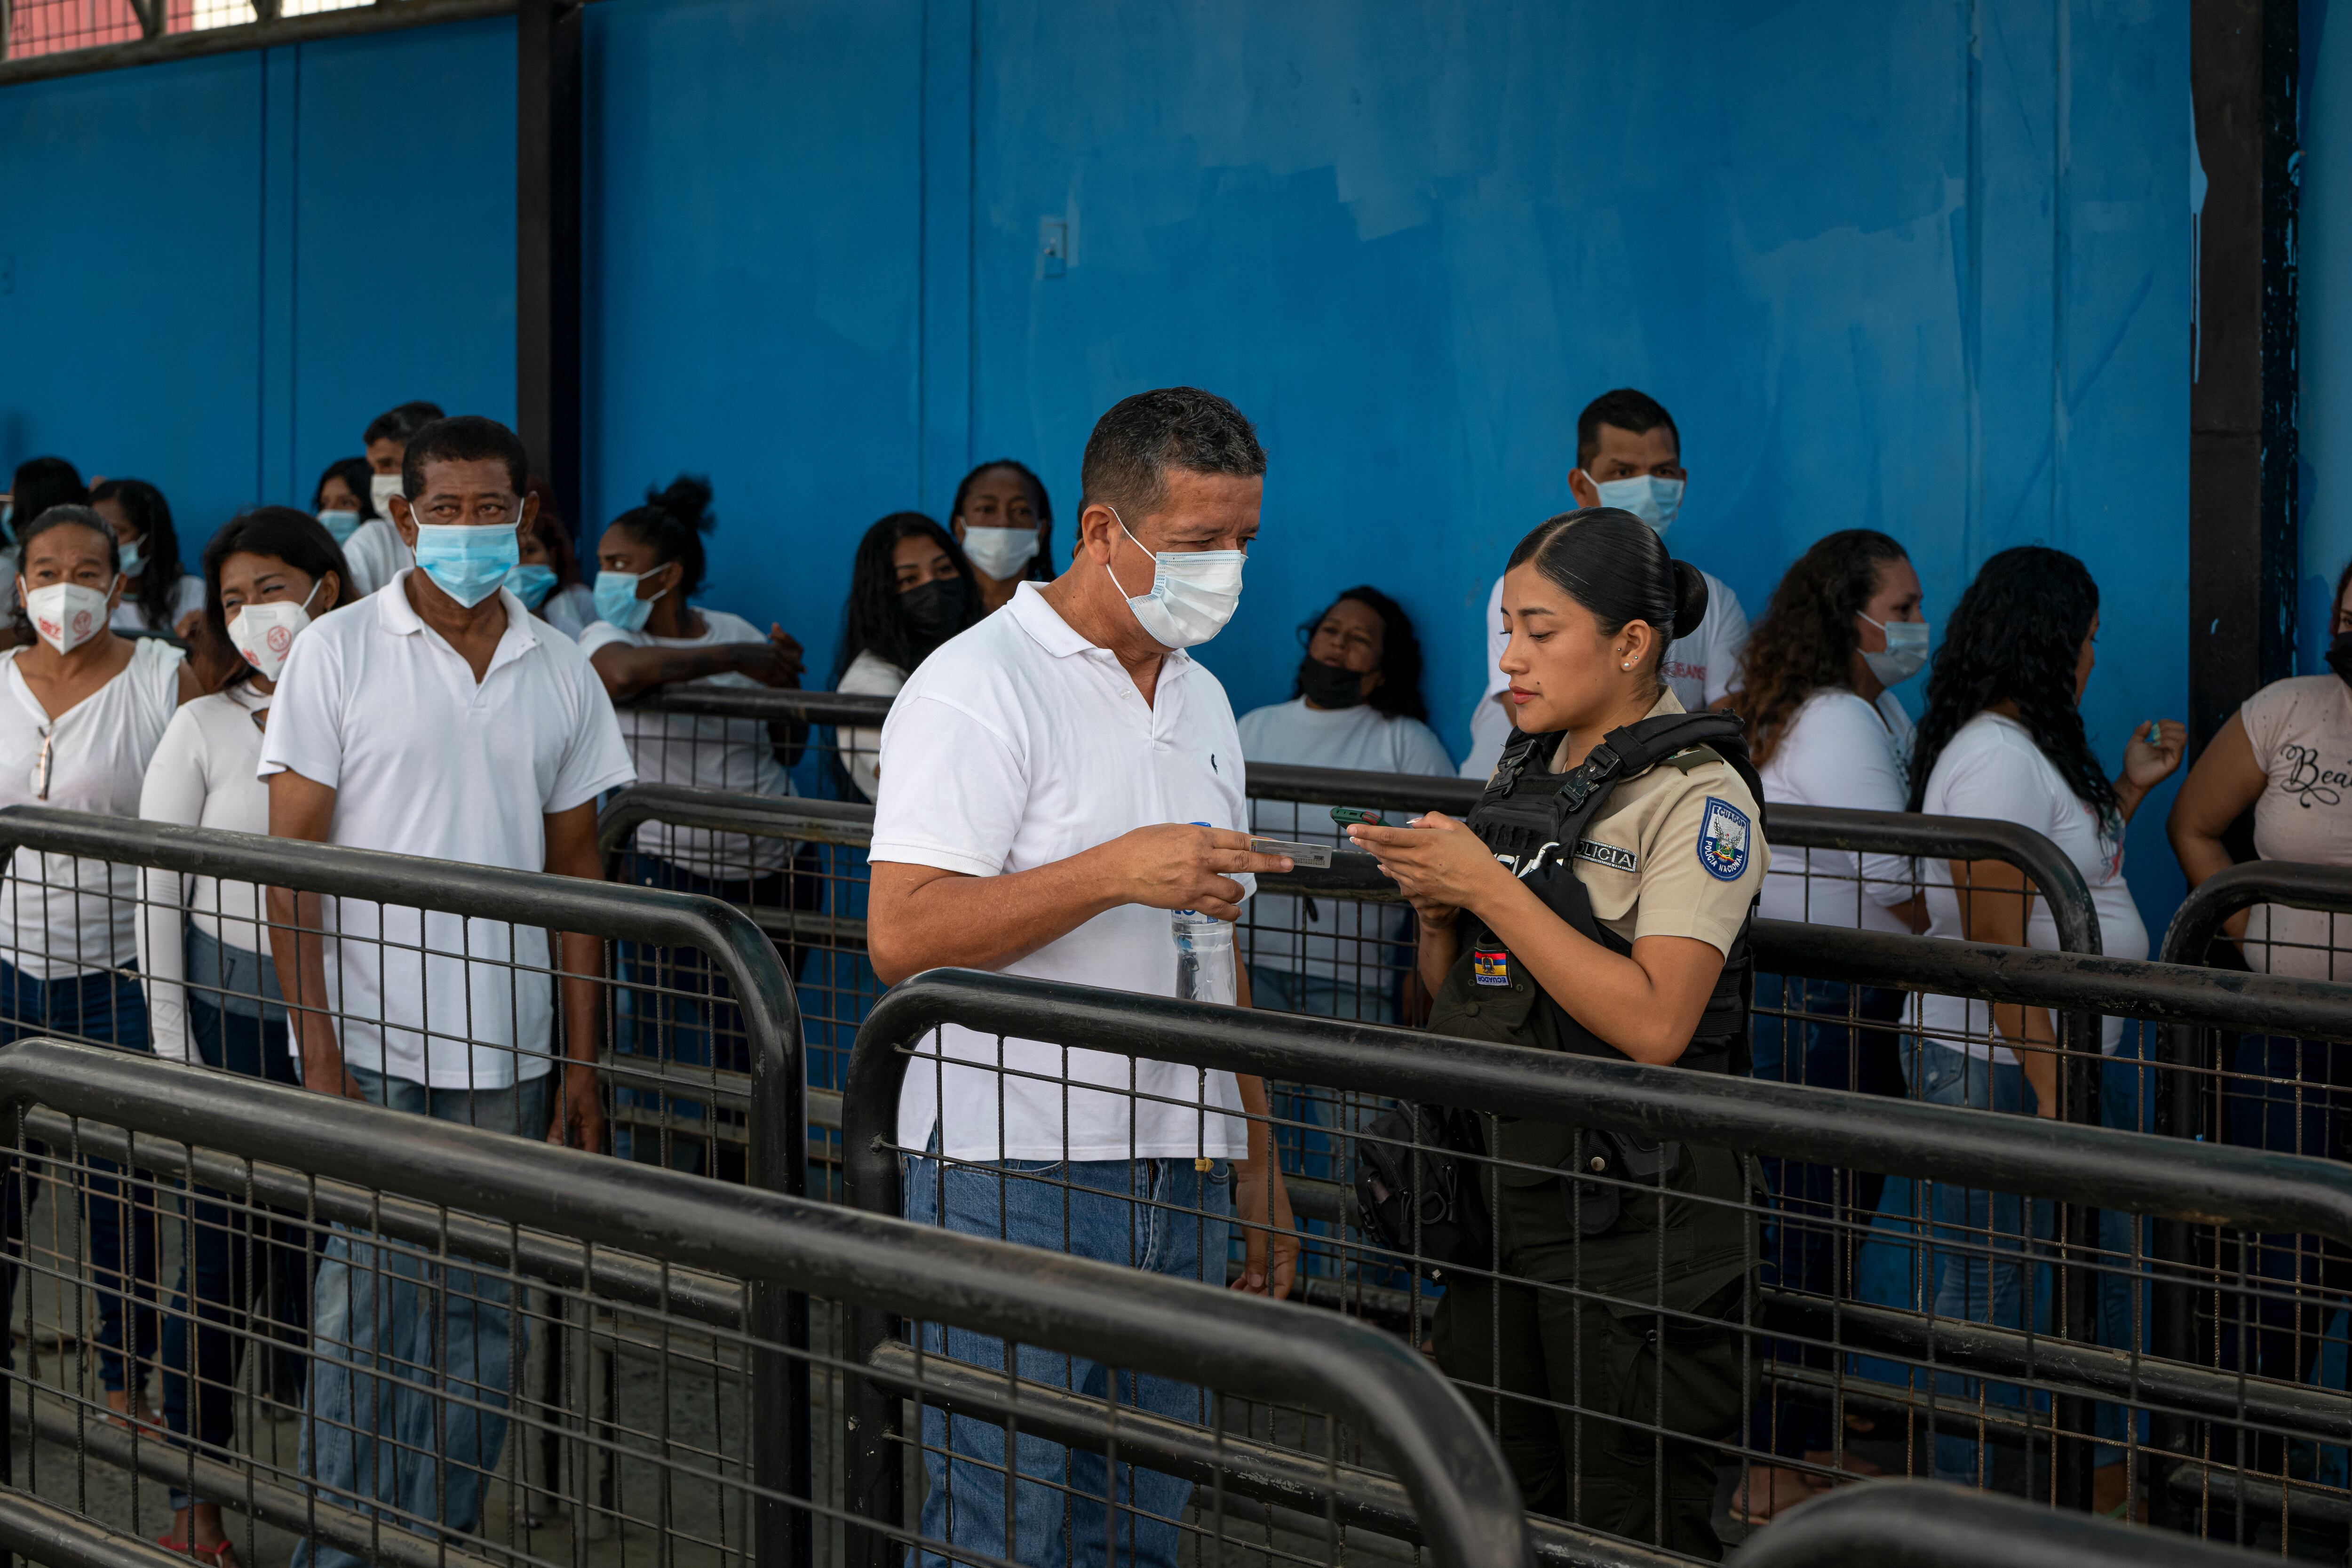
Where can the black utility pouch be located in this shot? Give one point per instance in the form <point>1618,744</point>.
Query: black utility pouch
<point>1414,1193</point>
<point>1616,1158</point>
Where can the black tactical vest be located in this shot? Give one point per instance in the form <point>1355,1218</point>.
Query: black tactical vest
<point>1534,822</point>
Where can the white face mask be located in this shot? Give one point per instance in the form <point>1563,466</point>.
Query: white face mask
<point>1192,595</point>
<point>263,633</point>
<point>1905,651</point>
<point>381,487</point>
<point>1002,554</point>
<point>1653,499</point>
<point>66,614</point>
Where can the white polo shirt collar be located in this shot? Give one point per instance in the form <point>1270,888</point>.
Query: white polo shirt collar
<point>400,617</point>
<point>1031,611</point>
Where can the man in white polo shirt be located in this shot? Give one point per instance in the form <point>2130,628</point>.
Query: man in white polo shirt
<point>1630,455</point>
<point>435,718</point>
<point>1039,775</point>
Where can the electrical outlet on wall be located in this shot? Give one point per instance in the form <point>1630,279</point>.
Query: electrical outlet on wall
<point>1053,247</point>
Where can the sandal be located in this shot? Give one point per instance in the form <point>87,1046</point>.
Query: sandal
<point>221,1556</point>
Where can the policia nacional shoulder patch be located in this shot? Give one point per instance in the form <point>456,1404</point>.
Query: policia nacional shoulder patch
<point>1723,841</point>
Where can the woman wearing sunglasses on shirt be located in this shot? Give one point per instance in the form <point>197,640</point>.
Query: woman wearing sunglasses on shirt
<point>82,713</point>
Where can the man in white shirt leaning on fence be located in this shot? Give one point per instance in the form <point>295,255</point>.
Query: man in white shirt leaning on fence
<point>1045,773</point>
<point>435,718</point>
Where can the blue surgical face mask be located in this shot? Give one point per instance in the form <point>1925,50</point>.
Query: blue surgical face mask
<point>532,584</point>
<point>617,602</point>
<point>1653,499</point>
<point>466,562</point>
<point>341,524</point>
<point>134,559</point>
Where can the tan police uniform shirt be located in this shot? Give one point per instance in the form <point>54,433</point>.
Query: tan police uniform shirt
<point>1679,851</point>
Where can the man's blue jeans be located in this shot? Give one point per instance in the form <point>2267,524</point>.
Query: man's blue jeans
<point>1158,1214</point>
<point>102,1007</point>
<point>412,1362</point>
<point>1981,1272</point>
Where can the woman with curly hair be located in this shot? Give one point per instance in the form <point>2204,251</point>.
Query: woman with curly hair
<point>1842,627</point>
<point>2002,738</point>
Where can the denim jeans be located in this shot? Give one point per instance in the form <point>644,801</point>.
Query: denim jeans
<point>1821,1210</point>
<point>1981,1275</point>
<point>673,1006</point>
<point>103,1008</point>
<point>1158,1214</point>
<point>2291,1097</point>
<point>1287,991</point>
<point>411,1360</point>
<point>231,1255</point>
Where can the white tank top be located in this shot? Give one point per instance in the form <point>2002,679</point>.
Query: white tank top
<point>59,915</point>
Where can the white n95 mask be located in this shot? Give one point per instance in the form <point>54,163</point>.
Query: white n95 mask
<point>1905,651</point>
<point>1653,499</point>
<point>263,633</point>
<point>66,614</point>
<point>381,487</point>
<point>1193,593</point>
<point>1002,554</point>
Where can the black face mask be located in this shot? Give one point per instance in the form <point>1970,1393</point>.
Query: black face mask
<point>1328,686</point>
<point>2339,657</point>
<point>935,610</point>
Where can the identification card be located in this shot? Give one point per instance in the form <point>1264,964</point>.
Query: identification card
<point>1300,854</point>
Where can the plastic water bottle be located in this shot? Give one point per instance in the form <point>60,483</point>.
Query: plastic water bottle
<point>1204,956</point>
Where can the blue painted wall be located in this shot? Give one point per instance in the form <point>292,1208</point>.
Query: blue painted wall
<point>1921,267</point>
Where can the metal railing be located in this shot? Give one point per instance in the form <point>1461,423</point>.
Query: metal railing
<point>763,1014</point>
<point>638,1254</point>
<point>1922,1524</point>
<point>2087,1168</point>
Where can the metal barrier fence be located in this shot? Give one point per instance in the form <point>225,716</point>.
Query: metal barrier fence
<point>477,1239</point>
<point>1335,943</point>
<point>1920,1524</point>
<point>1689,1346</point>
<point>139,934</point>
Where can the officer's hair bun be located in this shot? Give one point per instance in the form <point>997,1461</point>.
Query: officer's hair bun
<point>1690,598</point>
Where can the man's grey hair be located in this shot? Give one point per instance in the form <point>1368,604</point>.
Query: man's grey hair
<point>1134,445</point>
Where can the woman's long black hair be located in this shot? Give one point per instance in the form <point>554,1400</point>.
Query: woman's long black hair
<point>38,484</point>
<point>871,621</point>
<point>2017,636</point>
<point>1041,566</point>
<point>151,514</point>
<point>1614,564</point>
<point>1398,693</point>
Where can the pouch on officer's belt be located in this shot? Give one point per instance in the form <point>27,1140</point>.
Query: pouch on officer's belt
<point>1609,1163</point>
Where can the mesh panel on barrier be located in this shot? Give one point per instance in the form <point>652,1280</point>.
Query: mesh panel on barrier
<point>343,1368</point>
<point>1788,1327</point>
<point>118,955</point>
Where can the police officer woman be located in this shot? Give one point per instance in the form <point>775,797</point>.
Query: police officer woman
<point>1598,900</point>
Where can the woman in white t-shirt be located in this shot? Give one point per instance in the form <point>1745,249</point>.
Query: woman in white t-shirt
<point>82,714</point>
<point>1844,624</point>
<point>2002,738</point>
<point>651,560</point>
<point>910,589</point>
<point>212,990</point>
<point>1356,703</point>
<point>2287,755</point>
